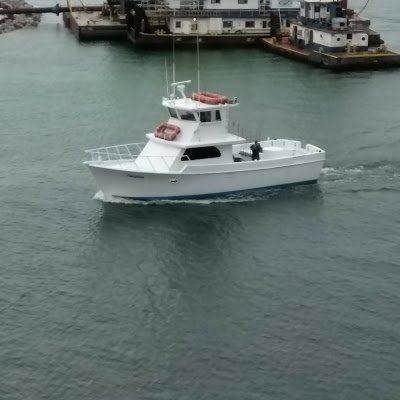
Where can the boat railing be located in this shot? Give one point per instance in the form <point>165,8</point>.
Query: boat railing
<point>284,146</point>
<point>125,153</point>
<point>121,152</point>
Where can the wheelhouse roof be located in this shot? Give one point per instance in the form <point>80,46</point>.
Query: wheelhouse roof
<point>188,104</point>
<point>225,140</point>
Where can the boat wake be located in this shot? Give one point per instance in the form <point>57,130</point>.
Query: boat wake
<point>373,170</point>
<point>373,177</point>
<point>243,197</point>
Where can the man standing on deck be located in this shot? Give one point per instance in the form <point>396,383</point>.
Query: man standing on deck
<point>256,149</point>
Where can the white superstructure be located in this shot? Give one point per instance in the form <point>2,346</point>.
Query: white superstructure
<point>194,155</point>
<point>218,17</point>
<point>327,26</point>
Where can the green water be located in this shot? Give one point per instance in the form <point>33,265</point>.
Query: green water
<point>286,294</point>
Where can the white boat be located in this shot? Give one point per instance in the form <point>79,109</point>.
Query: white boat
<point>194,155</point>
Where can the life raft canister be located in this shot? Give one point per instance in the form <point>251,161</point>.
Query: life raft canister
<point>210,98</point>
<point>167,131</point>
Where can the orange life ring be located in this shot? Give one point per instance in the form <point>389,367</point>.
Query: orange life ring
<point>210,98</point>
<point>167,131</point>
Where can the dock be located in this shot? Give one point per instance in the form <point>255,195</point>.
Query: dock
<point>92,25</point>
<point>95,24</point>
<point>336,61</point>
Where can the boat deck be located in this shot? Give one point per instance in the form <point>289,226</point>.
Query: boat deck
<point>88,25</point>
<point>360,60</point>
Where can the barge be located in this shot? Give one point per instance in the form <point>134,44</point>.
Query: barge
<point>222,22</point>
<point>328,34</point>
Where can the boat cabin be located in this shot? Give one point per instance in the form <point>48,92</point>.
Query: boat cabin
<point>195,133</point>
<point>328,26</point>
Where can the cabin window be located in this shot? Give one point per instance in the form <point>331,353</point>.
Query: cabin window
<point>205,116</point>
<point>264,24</point>
<point>178,24</point>
<point>227,24</point>
<point>209,116</point>
<point>317,9</point>
<point>215,1</point>
<point>242,1</point>
<point>187,116</point>
<point>338,39</point>
<point>349,36</point>
<point>200,153</point>
<point>173,113</point>
<point>363,38</point>
<point>249,24</point>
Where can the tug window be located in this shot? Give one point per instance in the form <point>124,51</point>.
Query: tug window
<point>200,153</point>
<point>217,115</point>
<point>173,113</point>
<point>187,116</point>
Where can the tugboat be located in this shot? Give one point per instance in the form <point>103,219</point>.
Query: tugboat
<point>329,34</point>
<point>193,155</point>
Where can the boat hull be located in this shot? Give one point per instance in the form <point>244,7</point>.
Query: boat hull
<point>150,186</point>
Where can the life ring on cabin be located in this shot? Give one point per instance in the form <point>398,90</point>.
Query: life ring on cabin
<point>167,131</point>
<point>210,98</point>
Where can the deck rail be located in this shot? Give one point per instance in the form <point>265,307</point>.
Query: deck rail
<point>121,152</point>
<point>125,153</point>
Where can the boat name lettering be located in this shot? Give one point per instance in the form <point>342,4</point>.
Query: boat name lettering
<point>136,176</point>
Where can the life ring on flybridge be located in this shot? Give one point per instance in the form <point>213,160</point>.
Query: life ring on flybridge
<point>210,98</point>
<point>167,131</point>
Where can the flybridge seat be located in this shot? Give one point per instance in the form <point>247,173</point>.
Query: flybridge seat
<point>210,98</point>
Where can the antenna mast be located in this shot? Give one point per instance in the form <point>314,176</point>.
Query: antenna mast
<point>198,57</point>
<point>173,62</point>
<point>166,76</point>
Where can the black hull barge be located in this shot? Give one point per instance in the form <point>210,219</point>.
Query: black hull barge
<point>335,61</point>
<point>330,35</point>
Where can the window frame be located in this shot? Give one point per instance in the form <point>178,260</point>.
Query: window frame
<point>183,113</point>
<point>214,117</point>
<point>190,153</point>
<point>173,111</point>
